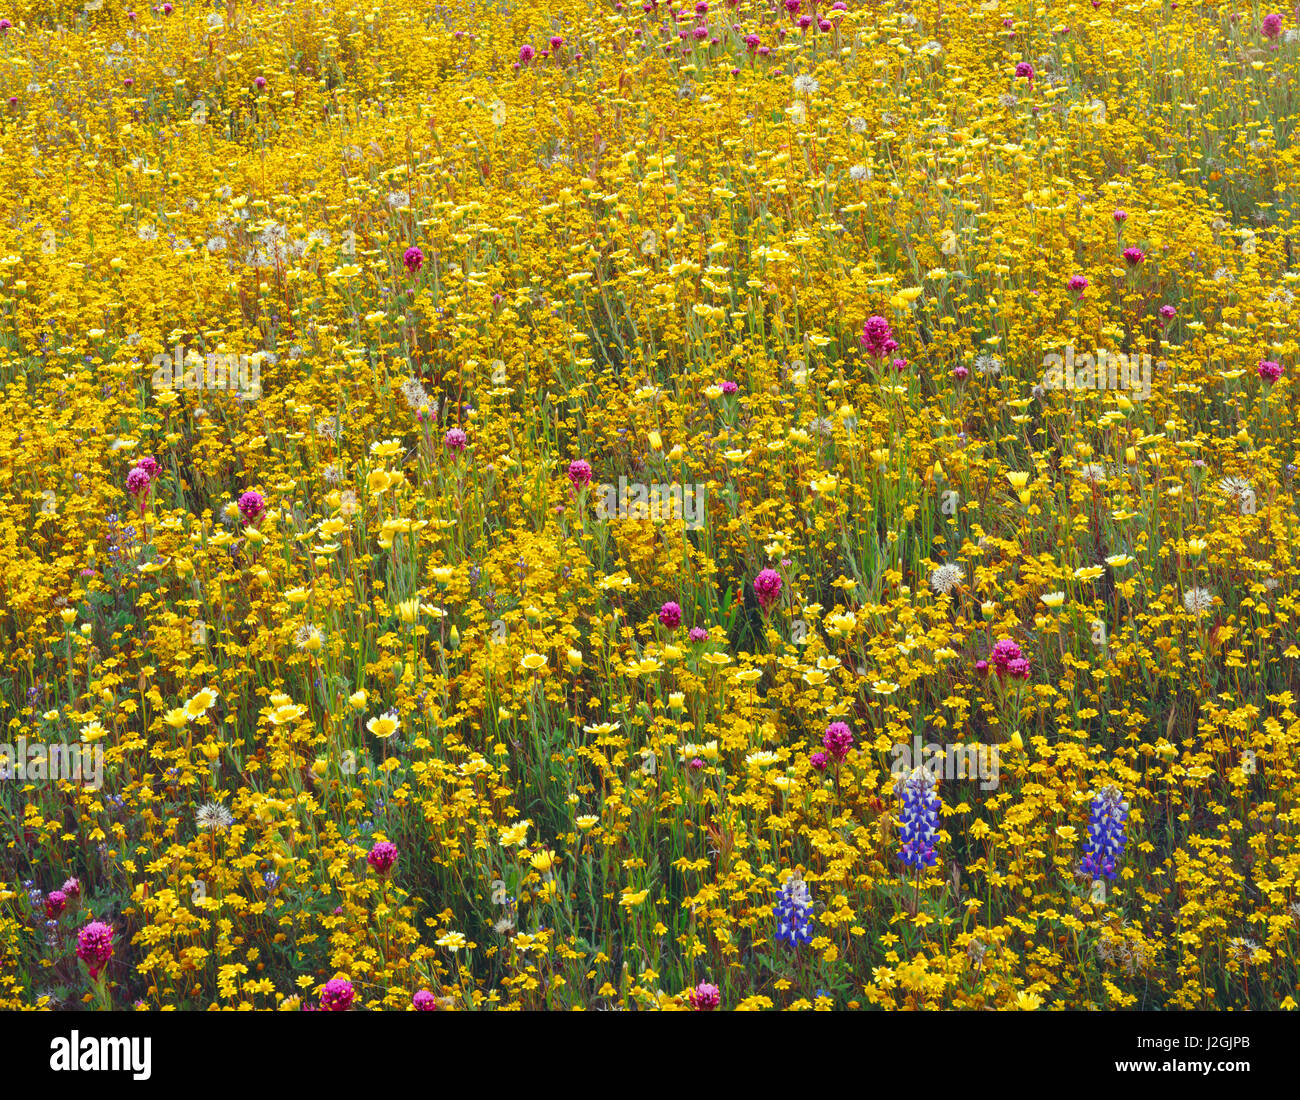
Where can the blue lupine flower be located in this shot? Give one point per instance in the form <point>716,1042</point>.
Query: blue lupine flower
<point>919,822</point>
<point>793,923</point>
<point>1106,837</point>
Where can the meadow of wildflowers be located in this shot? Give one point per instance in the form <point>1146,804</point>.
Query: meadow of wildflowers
<point>494,484</point>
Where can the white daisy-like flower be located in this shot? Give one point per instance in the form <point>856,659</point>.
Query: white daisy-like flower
<point>947,577</point>
<point>1197,601</point>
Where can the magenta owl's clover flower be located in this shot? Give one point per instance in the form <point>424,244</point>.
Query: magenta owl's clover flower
<point>149,465</point>
<point>95,946</point>
<point>729,387</point>
<point>877,338</point>
<point>838,739</point>
<point>981,667</point>
<point>705,997</point>
<point>1134,256</point>
<point>961,373</point>
<point>72,887</point>
<point>55,902</point>
<point>819,761</point>
<point>1168,313</point>
<point>1269,371</point>
<point>556,42</point>
<point>526,53</point>
<point>137,483</point>
<point>900,365</point>
<point>670,615</point>
<point>1024,70</point>
<point>1077,284</point>
<point>767,587</point>
<point>337,996</point>
<point>413,258</point>
<point>1008,660</point>
<point>698,634</point>
<point>5,24</point>
<point>382,856</point>
<point>259,82</point>
<point>455,440</point>
<point>424,1001</point>
<point>1120,216</point>
<point>580,473</point>
<point>167,9</point>
<point>752,42</point>
<point>251,505</point>
<point>1271,26</point>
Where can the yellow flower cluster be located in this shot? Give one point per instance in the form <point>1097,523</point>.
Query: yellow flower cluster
<point>567,505</point>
